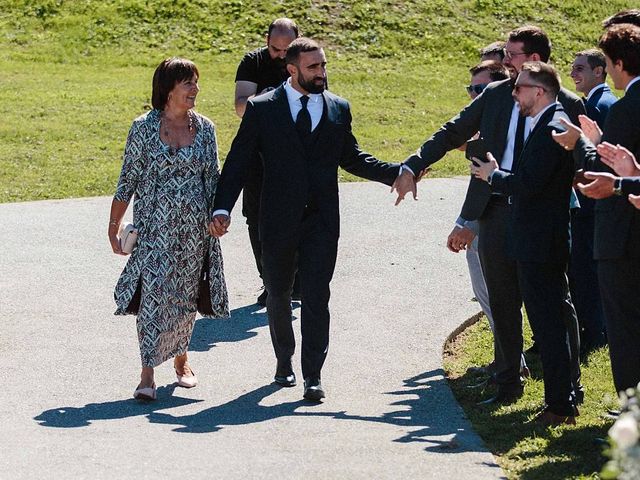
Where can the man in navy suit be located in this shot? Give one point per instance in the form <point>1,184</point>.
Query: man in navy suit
<point>538,188</point>
<point>589,75</point>
<point>301,133</point>
<point>617,222</point>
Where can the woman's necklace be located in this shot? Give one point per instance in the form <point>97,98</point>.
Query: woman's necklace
<point>174,143</point>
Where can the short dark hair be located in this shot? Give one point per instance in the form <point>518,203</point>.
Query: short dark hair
<point>170,72</point>
<point>282,25</point>
<point>535,40</point>
<point>595,58</point>
<point>497,71</point>
<point>544,74</point>
<point>622,42</point>
<point>631,16</point>
<point>495,48</point>
<point>298,46</point>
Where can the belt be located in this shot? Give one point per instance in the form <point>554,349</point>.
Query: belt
<point>498,199</point>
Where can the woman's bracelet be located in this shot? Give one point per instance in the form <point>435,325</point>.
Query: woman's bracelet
<point>113,222</point>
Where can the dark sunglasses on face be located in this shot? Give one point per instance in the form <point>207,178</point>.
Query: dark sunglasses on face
<point>518,86</point>
<point>477,89</point>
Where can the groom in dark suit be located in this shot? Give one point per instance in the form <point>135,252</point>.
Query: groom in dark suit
<point>538,188</point>
<point>302,134</point>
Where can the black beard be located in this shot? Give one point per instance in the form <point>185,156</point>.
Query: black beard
<point>309,85</point>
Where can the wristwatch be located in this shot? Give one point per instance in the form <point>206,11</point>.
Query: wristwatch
<point>617,186</point>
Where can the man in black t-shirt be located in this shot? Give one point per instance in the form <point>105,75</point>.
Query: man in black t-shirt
<point>259,71</point>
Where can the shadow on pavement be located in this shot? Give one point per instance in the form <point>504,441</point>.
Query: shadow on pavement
<point>72,417</point>
<point>241,325</point>
<point>420,415</point>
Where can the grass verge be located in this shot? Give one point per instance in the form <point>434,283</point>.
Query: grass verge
<point>525,450</point>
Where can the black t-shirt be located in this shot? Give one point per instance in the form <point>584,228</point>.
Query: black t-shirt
<point>258,67</point>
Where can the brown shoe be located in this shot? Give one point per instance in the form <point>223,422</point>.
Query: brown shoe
<point>548,418</point>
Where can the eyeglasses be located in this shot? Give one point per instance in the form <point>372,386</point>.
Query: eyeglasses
<point>508,54</point>
<point>477,89</point>
<point>518,86</point>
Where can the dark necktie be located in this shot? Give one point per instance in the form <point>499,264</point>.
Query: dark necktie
<point>518,143</point>
<point>303,121</point>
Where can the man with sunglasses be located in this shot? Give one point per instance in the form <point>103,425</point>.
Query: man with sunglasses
<point>538,191</point>
<point>495,115</point>
<point>464,235</point>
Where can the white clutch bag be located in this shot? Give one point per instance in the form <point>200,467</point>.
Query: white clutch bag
<point>128,237</point>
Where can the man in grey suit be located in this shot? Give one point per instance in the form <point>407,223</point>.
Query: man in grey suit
<point>496,116</point>
<point>538,190</point>
<point>302,134</point>
<point>617,222</point>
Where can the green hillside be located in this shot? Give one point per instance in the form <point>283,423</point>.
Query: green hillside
<point>74,73</point>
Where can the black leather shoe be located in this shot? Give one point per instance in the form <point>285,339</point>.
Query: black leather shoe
<point>284,374</point>
<point>262,298</point>
<point>504,396</point>
<point>313,389</point>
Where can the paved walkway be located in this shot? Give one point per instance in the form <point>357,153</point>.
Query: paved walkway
<point>68,366</point>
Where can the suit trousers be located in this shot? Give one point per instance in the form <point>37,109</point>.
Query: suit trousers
<point>501,276</point>
<point>545,292</point>
<point>619,280</point>
<point>583,282</point>
<point>312,251</point>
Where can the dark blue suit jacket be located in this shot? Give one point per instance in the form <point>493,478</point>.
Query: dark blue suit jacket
<point>617,221</point>
<point>295,178</point>
<point>539,190</point>
<point>597,109</point>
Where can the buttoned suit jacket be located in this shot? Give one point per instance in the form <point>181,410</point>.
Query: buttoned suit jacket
<point>295,178</point>
<point>615,216</point>
<point>490,114</point>
<point>539,192</point>
<point>597,108</point>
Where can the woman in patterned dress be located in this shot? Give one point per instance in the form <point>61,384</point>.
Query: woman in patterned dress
<point>171,169</point>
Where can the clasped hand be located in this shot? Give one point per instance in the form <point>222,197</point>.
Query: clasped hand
<point>219,225</point>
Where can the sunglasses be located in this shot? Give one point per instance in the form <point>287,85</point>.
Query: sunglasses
<point>518,86</point>
<point>477,89</point>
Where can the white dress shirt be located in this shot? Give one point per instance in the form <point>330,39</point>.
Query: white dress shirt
<point>314,105</point>
<point>506,161</point>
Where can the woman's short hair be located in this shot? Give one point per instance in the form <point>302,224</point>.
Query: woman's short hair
<point>170,72</point>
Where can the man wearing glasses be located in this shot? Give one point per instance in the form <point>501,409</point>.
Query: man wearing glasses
<point>538,191</point>
<point>495,115</point>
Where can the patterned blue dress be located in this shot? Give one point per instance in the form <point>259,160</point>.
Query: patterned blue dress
<point>173,197</point>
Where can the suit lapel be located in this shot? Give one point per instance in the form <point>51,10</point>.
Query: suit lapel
<point>543,122</point>
<point>326,128</point>
<point>503,116</point>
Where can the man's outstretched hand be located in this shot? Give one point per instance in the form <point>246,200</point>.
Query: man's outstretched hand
<point>405,183</point>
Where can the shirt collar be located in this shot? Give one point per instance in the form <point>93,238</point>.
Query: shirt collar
<point>593,90</point>
<point>294,95</point>
<point>536,119</point>
<point>637,79</point>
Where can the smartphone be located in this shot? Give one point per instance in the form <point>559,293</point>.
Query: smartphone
<point>476,149</point>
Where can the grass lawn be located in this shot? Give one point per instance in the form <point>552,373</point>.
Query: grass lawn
<point>529,451</point>
<point>76,73</point>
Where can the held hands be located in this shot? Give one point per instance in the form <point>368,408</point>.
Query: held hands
<point>405,183</point>
<point>483,170</point>
<point>569,138</point>
<point>219,225</point>
<point>590,129</point>
<point>619,159</point>
<point>460,238</point>
<point>600,187</point>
